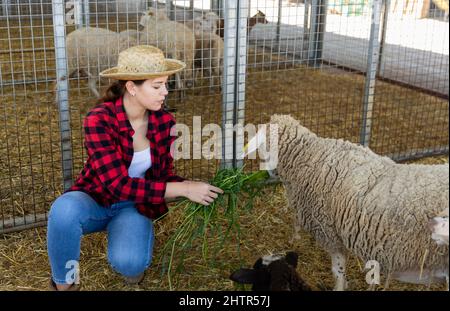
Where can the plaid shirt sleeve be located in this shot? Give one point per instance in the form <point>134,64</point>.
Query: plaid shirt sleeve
<point>111,169</point>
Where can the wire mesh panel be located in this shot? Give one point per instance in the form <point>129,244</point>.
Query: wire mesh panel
<point>411,94</point>
<point>46,95</point>
<point>196,102</point>
<point>299,64</point>
<point>169,25</point>
<point>312,59</point>
<point>30,174</point>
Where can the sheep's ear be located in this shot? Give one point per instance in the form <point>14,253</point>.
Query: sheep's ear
<point>244,276</point>
<point>258,264</point>
<point>292,258</point>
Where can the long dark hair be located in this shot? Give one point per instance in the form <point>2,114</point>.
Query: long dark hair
<point>116,90</point>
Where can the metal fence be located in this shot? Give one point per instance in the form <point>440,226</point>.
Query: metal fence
<point>372,72</point>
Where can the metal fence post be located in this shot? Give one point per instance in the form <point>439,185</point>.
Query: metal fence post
<point>170,8</point>
<point>233,84</point>
<point>317,31</point>
<point>216,6</point>
<point>6,5</point>
<point>371,73</point>
<point>306,31</point>
<point>86,13</point>
<point>78,13</point>
<point>386,4</point>
<point>278,37</point>
<point>62,90</point>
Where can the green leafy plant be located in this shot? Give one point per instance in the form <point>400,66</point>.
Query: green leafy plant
<point>219,220</point>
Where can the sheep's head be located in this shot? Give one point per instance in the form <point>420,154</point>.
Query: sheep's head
<point>274,272</point>
<point>266,141</point>
<point>258,18</point>
<point>206,23</point>
<point>289,127</point>
<point>152,15</point>
<point>211,16</point>
<point>439,228</point>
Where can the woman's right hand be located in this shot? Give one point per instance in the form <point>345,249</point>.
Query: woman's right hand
<point>200,192</point>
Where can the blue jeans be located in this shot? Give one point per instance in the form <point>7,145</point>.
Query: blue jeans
<point>75,213</point>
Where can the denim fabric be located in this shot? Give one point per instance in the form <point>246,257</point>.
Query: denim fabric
<point>75,213</point>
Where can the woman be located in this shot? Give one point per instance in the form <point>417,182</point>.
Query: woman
<point>128,174</point>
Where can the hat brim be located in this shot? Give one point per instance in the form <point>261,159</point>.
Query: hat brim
<point>172,66</point>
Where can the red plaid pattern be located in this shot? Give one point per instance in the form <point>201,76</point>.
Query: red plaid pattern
<point>109,145</point>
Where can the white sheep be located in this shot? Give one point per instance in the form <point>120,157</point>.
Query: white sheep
<point>175,39</point>
<point>209,47</point>
<point>92,50</point>
<point>209,22</point>
<point>353,200</point>
<point>209,56</point>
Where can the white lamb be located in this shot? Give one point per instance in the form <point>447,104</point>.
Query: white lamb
<point>92,50</point>
<point>176,40</point>
<point>353,200</point>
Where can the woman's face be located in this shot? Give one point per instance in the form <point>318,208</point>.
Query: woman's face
<point>152,92</point>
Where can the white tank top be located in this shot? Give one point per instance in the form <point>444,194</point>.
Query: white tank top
<point>141,162</point>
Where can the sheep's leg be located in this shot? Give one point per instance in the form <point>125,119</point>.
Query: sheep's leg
<point>189,56</point>
<point>296,236</point>
<point>386,283</point>
<point>198,73</point>
<point>338,263</point>
<point>178,82</point>
<point>180,87</point>
<point>218,74</point>
<point>182,82</point>
<point>179,76</point>
<point>93,85</point>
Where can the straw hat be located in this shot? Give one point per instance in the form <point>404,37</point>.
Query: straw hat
<point>142,62</point>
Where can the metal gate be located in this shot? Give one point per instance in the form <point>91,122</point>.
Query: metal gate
<point>365,71</point>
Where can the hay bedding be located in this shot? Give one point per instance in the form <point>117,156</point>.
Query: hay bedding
<point>24,263</point>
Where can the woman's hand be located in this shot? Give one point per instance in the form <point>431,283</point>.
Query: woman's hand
<point>201,192</point>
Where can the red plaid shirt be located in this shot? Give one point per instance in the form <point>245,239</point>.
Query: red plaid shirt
<point>109,144</point>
